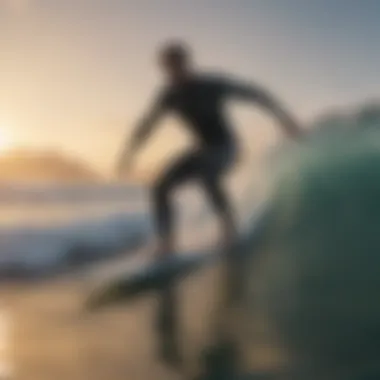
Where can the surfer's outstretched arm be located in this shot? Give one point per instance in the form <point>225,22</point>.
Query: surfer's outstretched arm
<point>149,121</point>
<point>143,131</point>
<point>266,100</point>
<point>273,106</point>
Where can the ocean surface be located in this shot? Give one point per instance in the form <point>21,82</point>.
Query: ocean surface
<point>47,228</point>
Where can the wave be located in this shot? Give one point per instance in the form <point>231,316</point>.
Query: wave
<point>43,250</point>
<point>30,251</point>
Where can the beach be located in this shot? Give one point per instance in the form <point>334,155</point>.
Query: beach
<point>53,338</point>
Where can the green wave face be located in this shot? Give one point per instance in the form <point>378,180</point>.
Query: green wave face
<point>319,279</point>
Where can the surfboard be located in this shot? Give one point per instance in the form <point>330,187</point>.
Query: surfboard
<point>156,275</point>
<point>149,278</point>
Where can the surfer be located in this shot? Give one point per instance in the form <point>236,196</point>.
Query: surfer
<point>198,99</point>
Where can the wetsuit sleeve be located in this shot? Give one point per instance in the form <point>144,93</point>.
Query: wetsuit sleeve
<point>264,99</point>
<point>240,90</point>
<point>159,106</point>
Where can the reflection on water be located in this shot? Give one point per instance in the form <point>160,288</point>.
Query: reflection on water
<point>6,335</point>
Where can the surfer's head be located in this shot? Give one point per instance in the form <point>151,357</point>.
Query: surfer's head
<point>175,60</point>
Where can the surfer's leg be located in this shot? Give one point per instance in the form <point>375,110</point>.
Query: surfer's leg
<point>222,355</point>
<point>181,171</point>
<point>220,201</point>
<point>214,164</point>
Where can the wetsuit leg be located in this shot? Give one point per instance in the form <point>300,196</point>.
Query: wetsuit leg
<point>214,163</point>
<point>183,169</point>
<point>207,165</point>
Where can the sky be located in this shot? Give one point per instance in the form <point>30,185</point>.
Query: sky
<point>76,75</point>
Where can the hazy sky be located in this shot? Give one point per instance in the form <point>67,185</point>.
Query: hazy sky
<point>75,74</point>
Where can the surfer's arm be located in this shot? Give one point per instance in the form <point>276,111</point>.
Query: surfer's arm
<point>275,108</point>
<point>267,101</point>
<point>151,118</point>
<point>142,131</point>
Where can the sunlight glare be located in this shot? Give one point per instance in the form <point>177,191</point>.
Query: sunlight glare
<point>5,139</point>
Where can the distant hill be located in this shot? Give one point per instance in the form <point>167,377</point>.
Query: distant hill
<point>29,165</point>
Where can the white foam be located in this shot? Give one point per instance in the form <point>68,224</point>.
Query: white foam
<point>42,242</point>
<point>35,244</point>
<point>39,249</point>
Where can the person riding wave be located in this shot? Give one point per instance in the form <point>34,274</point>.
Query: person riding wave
<point>199,100</point>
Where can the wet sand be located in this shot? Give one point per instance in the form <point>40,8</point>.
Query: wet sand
<point>53,338</point>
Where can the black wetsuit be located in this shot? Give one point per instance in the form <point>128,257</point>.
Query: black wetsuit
<point>200,104</point>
